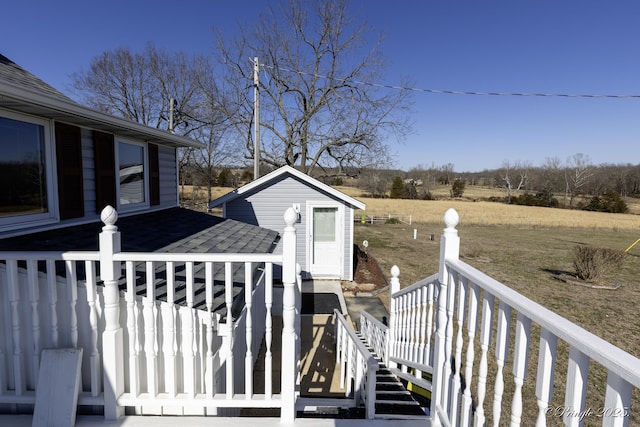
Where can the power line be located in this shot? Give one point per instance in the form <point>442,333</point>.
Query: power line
<point>455,92</point>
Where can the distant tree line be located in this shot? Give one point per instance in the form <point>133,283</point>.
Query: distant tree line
<point>576,183</point>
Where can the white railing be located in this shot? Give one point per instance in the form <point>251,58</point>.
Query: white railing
<point>471,300</point>
<point>412,323</point>
<point>152,331</point>
<point>357,366</point>
<point>375,333</point>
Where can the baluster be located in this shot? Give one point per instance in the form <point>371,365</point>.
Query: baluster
<point>617,401</point>
<point>350,366</point>
<point>340,350</point>
<point>472,324</point>
<point>448,349</point>
<point>268,332</point>
<point>405,329</point>
<point>485,340</point>
<point>455,395</point>
<point>188,354</point>
<point>430,330</point>
<point>520,356</point>
<point>94,358</point>
<point>422,353</point>
<point>228,292</point>
<point>502,348</point>
<point>413,327</point>
<point>132,330</point>
<point>209,377</point>
<point>14,301</point>
<point>34,297</point>
<point>546,371</point>
<point>72,294</point>
<point>150,345</point>
<point>576,387</point>
<point>248,358</point>
<point>169,345</point>
<point>52,288</point>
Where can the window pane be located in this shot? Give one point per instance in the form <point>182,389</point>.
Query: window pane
<point>22,168</point>
<point>324,224</point>
<point>131,160</point>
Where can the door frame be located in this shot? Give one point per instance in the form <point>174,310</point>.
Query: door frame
<point>311,205</point>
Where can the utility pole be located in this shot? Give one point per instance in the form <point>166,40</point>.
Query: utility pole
<point>256,120</point>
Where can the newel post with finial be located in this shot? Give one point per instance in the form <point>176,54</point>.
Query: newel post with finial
<point>449,250</point>
<point>112,337</point>
<point>289,336</point>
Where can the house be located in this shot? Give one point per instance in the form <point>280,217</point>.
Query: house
<point>61,163</point>
<point>325,218</point>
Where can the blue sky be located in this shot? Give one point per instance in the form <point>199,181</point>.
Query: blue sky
<point>553,47</point>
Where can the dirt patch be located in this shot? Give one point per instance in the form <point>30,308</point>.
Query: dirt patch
<point>368,276</point>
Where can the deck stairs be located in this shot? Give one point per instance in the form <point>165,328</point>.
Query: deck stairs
<point>393,400</point>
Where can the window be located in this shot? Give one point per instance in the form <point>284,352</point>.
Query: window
<point>132,174</point>
<point>25,170</point>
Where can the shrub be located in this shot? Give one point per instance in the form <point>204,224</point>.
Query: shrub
<point>392,221</point>
<point>457,188</point>
<point>542,198</point>
<point>610,202</point>
<point>591,262</point>
<point>397,189</point>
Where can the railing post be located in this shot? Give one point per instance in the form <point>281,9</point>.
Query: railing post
<point>112,337</point>
<point>289,362</point>
<point>391,332</point>
<point>449,250</point>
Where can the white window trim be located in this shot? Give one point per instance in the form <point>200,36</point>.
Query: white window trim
<point>132,206</point>
<point>51,216</point>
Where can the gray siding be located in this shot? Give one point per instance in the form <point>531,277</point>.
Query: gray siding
<point>265,207</point>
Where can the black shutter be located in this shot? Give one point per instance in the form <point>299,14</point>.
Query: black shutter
<point>105,167</point>
<point>154,175</point>
<point>70,179</point>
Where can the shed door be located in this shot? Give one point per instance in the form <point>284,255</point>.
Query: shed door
<point>325,240</point>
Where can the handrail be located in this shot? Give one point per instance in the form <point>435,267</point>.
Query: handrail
<point>363,371</point>
<point>423,282</point>
<point>611,357</point>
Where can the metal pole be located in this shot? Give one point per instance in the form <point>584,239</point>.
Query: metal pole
<point>256,120</point>
<point>172,102</point>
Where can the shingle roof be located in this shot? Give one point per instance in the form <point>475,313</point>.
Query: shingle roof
<point>170,230</point>
<point>13,73</point>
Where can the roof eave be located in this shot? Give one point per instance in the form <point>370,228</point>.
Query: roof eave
<point>39,104</point>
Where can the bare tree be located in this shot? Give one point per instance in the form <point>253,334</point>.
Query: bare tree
<point>513,177</point>
<point>315,110</point>
<point>139,86</point>
<point>579,171</point>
